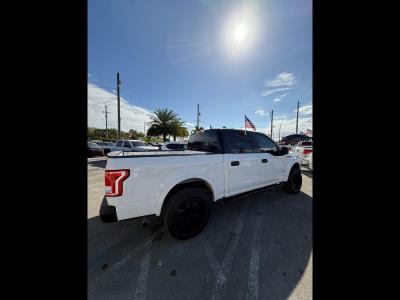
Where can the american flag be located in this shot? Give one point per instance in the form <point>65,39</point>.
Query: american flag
<point>248,124</point>
<point>309,132</point>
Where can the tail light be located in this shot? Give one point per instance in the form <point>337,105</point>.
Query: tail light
<point>113,181</point>
<point>307,151</point>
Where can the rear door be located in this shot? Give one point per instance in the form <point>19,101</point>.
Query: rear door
<point>242,167</point>
<point>127,146</point>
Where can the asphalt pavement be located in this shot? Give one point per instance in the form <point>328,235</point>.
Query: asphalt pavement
<point>255,246</point>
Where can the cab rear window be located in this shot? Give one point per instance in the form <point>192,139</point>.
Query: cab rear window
<point>204,141</point>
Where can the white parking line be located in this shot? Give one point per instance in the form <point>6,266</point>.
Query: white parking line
<point>252,286</point>
<point>141,286</point>
<point>211,257</point>
<point>223,274</point>
<point>119,264</point>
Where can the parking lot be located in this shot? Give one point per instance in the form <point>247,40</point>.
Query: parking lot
<point>255,246</point>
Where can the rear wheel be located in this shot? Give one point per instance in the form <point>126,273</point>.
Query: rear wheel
<point>187,212</point>
<point>295,180</point>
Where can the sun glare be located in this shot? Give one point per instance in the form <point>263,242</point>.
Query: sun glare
<point>240,32</point>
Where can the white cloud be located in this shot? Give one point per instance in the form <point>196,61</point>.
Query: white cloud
<point>277,100</point>
<point>132,117</point>
<point>260,112</point>
<point>269,92</point>
<point>305,110</point>
<point>282,79</point>
<point>189,124</point>
<point>283,96</point>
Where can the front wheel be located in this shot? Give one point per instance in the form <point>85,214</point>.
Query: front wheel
<point>187,213</point>
<point>295,180</point>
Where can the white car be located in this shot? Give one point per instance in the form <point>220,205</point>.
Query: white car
<point>303,150</point>
<point>180,186</point>
<point>133,145</point>
<point>310,161</point>
<point>174,146</point>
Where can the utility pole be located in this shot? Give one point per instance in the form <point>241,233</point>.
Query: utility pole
<point>297,119</point>
<point>198,114</point>
<point>106,114</point>
<point>272,120</point>
<point>279,138</point>
<point>119,117</point>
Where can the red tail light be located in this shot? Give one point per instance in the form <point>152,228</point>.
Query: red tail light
<point>307,151</point>
<point>113,182</point>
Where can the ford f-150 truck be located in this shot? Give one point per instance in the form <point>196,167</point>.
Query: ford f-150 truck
<point>180,186</point>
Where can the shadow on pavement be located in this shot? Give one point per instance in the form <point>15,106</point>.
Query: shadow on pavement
<point>186,269</point>
<point>307,172</point>
<point>98,163</point>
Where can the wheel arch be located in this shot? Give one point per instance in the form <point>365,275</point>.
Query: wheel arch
<point>189,182</point>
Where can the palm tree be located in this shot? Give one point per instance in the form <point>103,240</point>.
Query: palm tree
<point>178,129</point>
<point>161,123</point>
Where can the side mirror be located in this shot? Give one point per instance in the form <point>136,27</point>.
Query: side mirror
<point>284,150</point>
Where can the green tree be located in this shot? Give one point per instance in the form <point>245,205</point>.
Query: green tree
<point>178,129</point>
<point>161,123</point>
<point>135,135</point>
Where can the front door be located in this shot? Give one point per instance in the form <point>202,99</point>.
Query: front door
<point>242,170</point>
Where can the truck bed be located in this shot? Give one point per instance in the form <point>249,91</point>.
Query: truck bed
<point>133,154</point>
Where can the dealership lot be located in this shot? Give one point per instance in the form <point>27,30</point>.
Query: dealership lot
<point>255,246</point>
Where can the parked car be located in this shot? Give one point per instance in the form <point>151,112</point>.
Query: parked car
<point>303,150</point>
<point>181,186</point>
<point>174,146</point>
<point>133,145</point>
<point>158,145</point>
<point>310,161</point>
<point>108,147</point>
<point>94,150</point>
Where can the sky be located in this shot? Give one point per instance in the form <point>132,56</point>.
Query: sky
<point>234,58</point>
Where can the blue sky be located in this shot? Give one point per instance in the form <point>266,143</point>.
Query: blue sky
<point>224,55</point>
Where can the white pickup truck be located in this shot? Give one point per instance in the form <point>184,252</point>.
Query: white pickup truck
<point>304,150</point>
<point>180,186</point>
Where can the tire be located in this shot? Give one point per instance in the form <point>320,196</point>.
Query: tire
<point>187,212</point>
<point>295,180</point>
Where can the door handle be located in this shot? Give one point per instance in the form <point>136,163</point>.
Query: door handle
<point>235,163</point>
<point>264,160</point>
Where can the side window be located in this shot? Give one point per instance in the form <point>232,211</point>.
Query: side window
<point>127,144</point>
<point>236,142</point>
<point>263,144</point>
<point>204,141</point>
<point>119,144</point>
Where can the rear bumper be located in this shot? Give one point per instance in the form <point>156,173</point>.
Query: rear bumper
<point>304,161</point>
<point>108,214</point>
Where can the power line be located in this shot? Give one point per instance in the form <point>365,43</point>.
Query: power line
<point>133,97</point>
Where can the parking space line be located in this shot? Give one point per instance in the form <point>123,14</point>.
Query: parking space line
<point>119,264</point>
<point>230,253</point>
<point>141,286</point>
<point>211,258</point>
<point>252,286</point>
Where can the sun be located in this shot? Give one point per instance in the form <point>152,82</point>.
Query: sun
<point>240,32</point>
